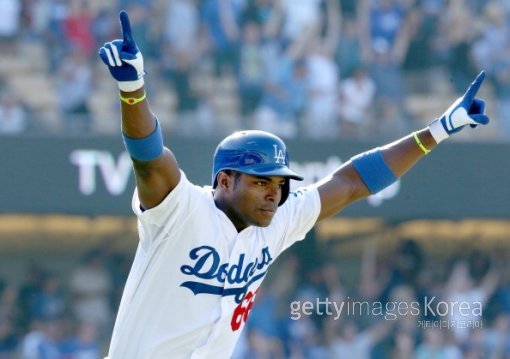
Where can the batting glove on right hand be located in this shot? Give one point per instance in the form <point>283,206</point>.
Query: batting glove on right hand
<point>124,59</point>
<point>467,110</point>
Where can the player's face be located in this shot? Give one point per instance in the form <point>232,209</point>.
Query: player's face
<point>255,199</point>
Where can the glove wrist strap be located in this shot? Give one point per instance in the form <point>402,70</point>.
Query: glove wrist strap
<point>130,86</point>
<point>133,100</point>
<point>437,131</point>
<point>421,145</point>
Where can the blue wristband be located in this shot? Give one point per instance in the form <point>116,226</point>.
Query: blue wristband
<point>146,148</point>
<point>373,170</point>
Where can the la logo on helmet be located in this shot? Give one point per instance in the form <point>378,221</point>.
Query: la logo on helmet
<point>279,154</point>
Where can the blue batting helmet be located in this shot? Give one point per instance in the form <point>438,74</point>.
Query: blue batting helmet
<point>256,153</point>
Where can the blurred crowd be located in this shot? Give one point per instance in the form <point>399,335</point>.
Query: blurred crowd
<point>57,315</point>
<point>311,68</point>
<point>409,310</point>
<point>461,308</point>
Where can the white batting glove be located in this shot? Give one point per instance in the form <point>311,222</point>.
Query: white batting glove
<point>466,110</point>
<point>124,59</point>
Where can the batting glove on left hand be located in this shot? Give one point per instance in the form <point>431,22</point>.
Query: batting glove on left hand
<point>467,110</point>
<point>124,59</point>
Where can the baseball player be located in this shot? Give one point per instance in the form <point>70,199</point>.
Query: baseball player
<point>204,251</point>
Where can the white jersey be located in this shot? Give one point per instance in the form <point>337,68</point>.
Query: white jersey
<point>194,277</point>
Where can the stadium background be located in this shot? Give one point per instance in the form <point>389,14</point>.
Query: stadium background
<point>333,78</point>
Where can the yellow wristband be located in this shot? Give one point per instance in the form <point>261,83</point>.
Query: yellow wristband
<point>132,100</point>
<point>418,142</point>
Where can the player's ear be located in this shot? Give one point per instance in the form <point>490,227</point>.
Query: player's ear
<point>224,180</point>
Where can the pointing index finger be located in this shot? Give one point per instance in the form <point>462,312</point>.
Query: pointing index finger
<point>127,37</point>
<point>475,86</point>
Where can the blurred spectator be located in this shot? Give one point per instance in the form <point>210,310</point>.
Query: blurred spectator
<point>251,67</point>
<point>43,341</point>
<point>83,345</point>
<point>9,304</point>
<point>31,341</point>
<point>8,340</point>
<point>90,286</point>
<point>471,282</point>
<point>352,343</point>
<point>105,25</point>
<point>182,28</point>
<point>267,313</point>
<point>78,28</point>
<point>182,54</point>
<point>372,277</point>
<point>496,337</point>
<point>222,22</point>
<point>284,331</point>
<point>74,87</point>
<point>456,32</point>
<point>389,121</point>
<point>304,339</point>
<point>403,267</point>
<point>434,346</point>
<point>321,119</point>
<point>260,58</point>
<point>259,11</point>
<point>502,91</point>
<point>334,287</point>
<point>181,50</point>
<point>13,117</point>
<point>261,346</point>
<point>49,303</point>
<point>474,347</point>
<point>385,25</point>
<point>284,82</point>
<point>265,319</point>
<point>57,12</point>
<point>349,7</point>
<point>407,263</point>
<point>491,51</point>
<point>322,96</point>
<point>500,302</point>
<point>403,345</point>
<point>402,42</point>
<point>31,286</point>
<point>299,19</point>
<point>356,103</point>
<point>10,18</point>
<point>283,98</point>
<point>422,55</point>
<point>348,54</point>
<point>118,267</point>
<point>143,15</point>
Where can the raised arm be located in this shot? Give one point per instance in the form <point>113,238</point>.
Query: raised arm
<point>156,170</point>
<point>372,171</point>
